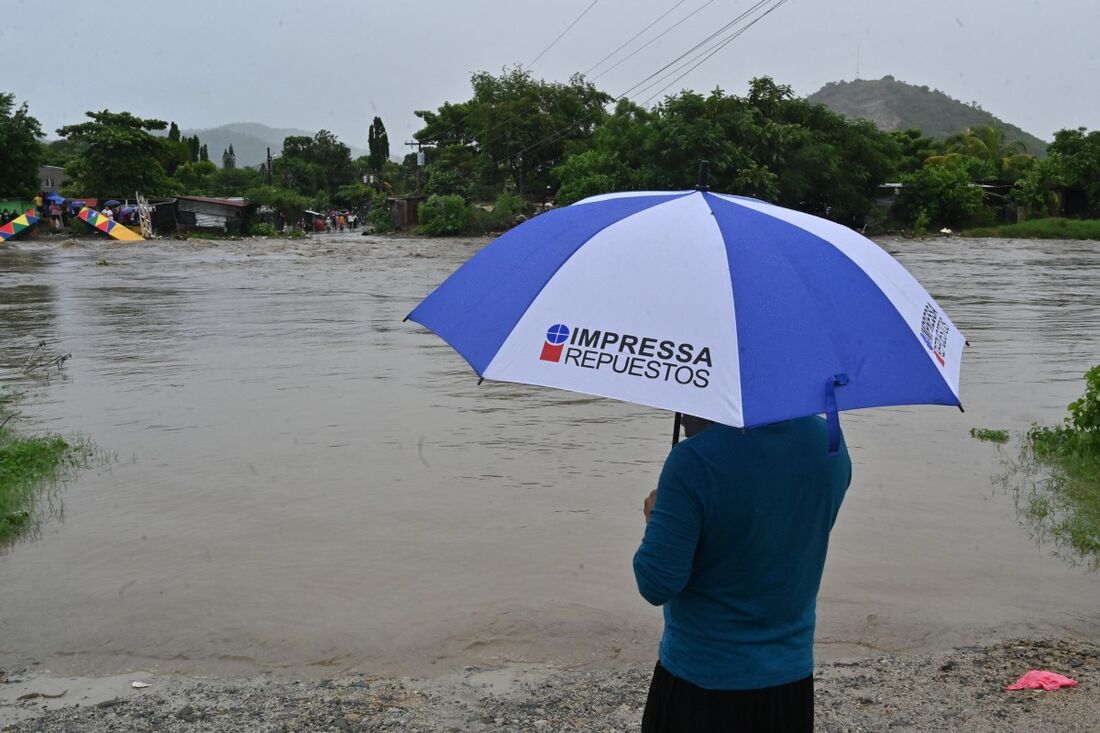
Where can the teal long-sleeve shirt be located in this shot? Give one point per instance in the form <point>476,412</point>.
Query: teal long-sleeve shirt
<point>734,550</point>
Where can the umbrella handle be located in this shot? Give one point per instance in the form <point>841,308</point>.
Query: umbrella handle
<point>676,428</point>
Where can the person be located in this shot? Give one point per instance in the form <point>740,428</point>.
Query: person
<point>55,215</point>
<point>39,200</point>
<point>108,212</point>
<point>734,548</point>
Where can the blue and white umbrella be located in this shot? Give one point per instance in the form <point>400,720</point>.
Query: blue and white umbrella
<point>724,307</point>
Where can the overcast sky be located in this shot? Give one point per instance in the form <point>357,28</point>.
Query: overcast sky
<point>334,64</point>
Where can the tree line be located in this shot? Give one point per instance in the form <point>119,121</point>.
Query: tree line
<point>519,141</point>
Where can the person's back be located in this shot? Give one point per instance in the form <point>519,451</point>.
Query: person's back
<point>734,550</point>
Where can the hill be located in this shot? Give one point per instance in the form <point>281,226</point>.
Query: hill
<point>250,141</point>
<point>895,105</point>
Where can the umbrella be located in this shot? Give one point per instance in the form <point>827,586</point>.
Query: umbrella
<point>723,307</point>
<point>112,202</point>
<point>56,198</point>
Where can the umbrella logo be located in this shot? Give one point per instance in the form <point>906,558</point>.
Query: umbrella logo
<point>556,336</point>
<point>933,331</point>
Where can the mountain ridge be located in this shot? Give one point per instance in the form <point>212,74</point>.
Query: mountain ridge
<point>896,105</point>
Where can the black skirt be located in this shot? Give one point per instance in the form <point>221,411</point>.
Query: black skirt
<point>677,706</point>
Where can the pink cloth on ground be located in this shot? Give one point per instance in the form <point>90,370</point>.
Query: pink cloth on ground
<point>1037,678</point>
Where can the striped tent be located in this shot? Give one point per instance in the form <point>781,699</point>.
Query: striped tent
<point>17,225</point>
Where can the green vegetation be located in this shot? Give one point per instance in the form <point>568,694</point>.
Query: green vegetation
<point>442,215</point>
<point>29,465</point>
<point>938,195</point>
<point>519,143</point>
<point>20,152</point>
<point>768,144</point>
<point>989,435</point>
<point>1052,228</point>
<point>118,155</point>
<point>1062,465</point>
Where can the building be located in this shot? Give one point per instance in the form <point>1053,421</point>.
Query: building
<point>51,178</point>
<point>230,216</point>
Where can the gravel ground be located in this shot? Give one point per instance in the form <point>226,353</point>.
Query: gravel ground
<point>960,690</point>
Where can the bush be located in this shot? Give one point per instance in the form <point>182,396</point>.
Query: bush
<point>379,214</point>
<point>938,196</point>
<point>442,215</point>
<point>262,229</point>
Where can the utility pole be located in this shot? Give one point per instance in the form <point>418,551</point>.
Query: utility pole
<point>420,160</point>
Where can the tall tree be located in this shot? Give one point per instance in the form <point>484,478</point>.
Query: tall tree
<point>312,164</point>
<point>194,147</point>
<point>514,126</point>
<point>174,132</point>
<point>229,158</point>
<point>378,143</point>
<point>1077,154</point>
<point>769,144</point>
<point>204,154</point>
<point>120,155</point>
<point>20,151</point>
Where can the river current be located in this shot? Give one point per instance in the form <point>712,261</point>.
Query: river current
<point>299,481</point>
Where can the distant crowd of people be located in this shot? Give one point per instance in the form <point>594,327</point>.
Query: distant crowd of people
<point>334,221</point>
<point>57,211</point>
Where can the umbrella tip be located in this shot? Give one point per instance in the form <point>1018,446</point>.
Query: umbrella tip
<point>704,169</point>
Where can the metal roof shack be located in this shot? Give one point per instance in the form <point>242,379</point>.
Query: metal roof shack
<point>231,216</point>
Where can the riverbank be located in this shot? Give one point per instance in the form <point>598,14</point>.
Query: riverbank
<point>1052,228</point>
<point>961,689</point>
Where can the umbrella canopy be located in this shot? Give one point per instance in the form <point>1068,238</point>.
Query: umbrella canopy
<point>56,198</point>
<point>719,306</point>
<point>112,202</point>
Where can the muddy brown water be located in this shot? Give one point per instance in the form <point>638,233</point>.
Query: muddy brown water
<point>304,483</point>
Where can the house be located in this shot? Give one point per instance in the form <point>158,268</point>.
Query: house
<point>51,178</point>
<point>231,216</point>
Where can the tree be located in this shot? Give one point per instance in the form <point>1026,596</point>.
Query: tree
<point>938,195</point>
<point>119,156</point>
<point>204,154</point>
<point>379,145</point>
<point>193,147</point>
<point>312,164</point>
<point>174,132</point>
<point>1077,153</point>
<point>986,155</point>
<point>514,127</point>
<point>229,158</point>
<point>20,151</point>
<point>768,144</point>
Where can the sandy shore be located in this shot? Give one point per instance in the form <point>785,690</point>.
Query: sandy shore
<point>959,690</point>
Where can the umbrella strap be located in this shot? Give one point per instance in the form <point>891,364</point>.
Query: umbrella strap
<point>832,418</point>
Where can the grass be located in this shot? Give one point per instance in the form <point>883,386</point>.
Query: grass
<point>30,466</point>
<point>989,435</point>
<point>1053,228</point>
<point>1057,476</point>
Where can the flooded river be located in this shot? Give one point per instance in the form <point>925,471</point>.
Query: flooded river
<point>302,482</point>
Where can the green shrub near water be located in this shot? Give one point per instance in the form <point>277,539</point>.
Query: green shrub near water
<point>27,464</point>
<point>443,215</point>
<point>1067,503</point>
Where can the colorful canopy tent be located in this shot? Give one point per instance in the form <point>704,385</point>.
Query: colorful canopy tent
<point>108,225</point>
<point>17,225</point>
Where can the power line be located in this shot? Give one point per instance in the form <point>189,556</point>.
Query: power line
<point>632,38</point>
<point>575,21</point>
<point>647,43</point>
<point>721,44</point>
<point>712,36</point>
<point>763,15</point>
